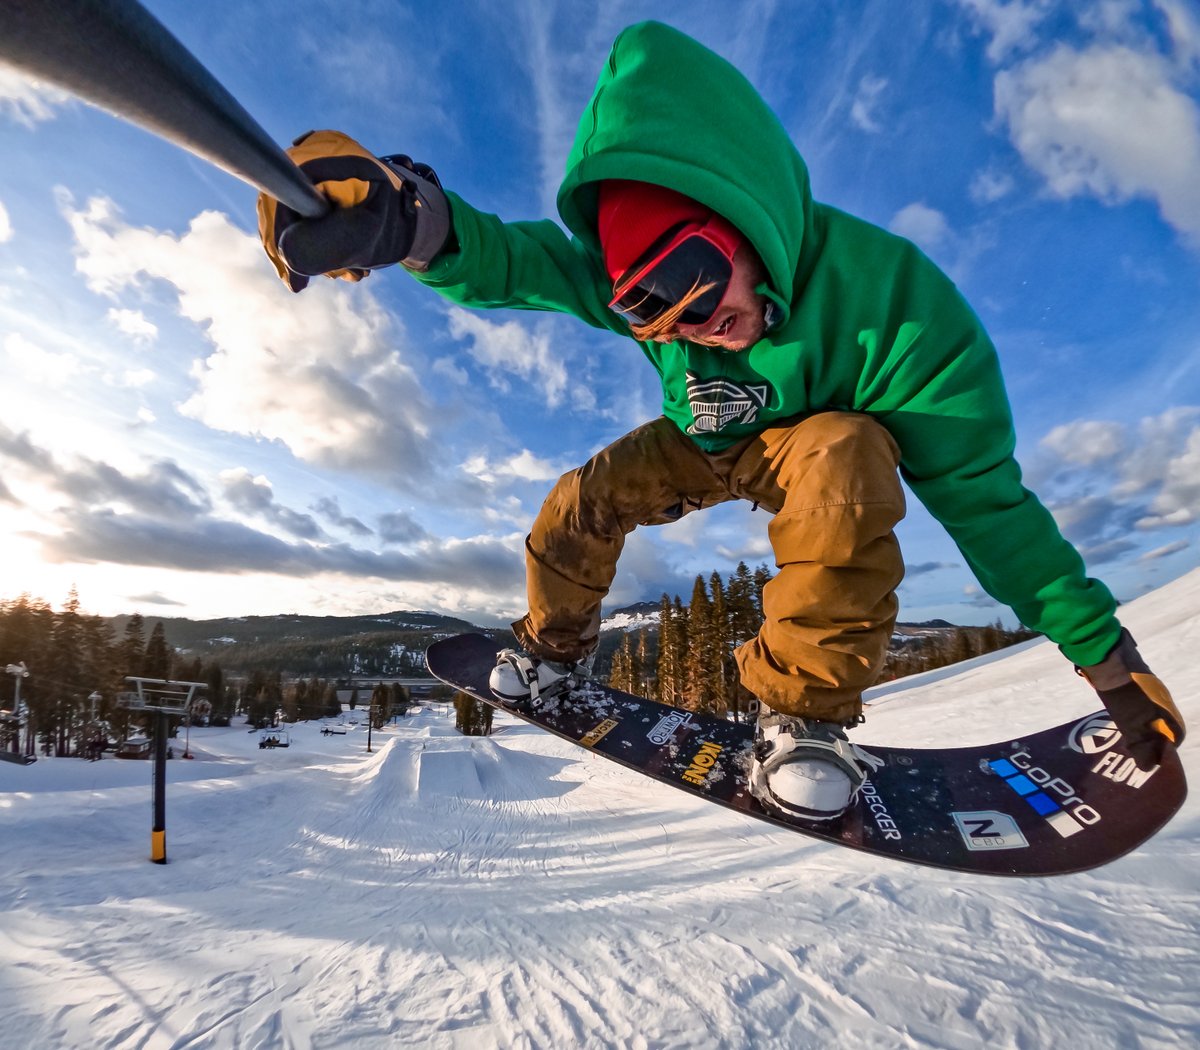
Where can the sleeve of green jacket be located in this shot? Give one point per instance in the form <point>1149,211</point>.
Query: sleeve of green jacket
<point>522,265</point>
<point>954,427</point>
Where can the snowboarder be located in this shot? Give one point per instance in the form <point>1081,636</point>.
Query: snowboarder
<point>804,355</point>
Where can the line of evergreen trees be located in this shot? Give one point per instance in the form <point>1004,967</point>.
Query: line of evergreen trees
<point>687,663</point>
<point>692,664</point>
<point>72,656</point>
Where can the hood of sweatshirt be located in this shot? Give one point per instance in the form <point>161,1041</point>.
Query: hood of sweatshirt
<point>668,111</point>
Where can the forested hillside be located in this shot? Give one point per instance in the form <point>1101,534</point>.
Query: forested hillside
<point>290,666</point>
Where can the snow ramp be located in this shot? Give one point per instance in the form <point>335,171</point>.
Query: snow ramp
<point>447,768</point>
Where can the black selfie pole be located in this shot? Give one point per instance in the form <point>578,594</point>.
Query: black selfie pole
<point>117,55</point>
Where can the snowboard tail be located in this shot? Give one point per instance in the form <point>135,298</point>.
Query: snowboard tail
<point>1062,800</point>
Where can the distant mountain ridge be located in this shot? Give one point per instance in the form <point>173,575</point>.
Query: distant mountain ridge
<point>184,633</point>
<point>387,643</point>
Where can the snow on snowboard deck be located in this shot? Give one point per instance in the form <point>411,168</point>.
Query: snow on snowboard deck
<point>1062,800</point>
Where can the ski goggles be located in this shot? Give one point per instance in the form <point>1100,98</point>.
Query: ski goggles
<point>698,255</point>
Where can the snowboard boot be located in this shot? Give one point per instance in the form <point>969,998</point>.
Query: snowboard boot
<point>523,681</point>
<point>804,768</point>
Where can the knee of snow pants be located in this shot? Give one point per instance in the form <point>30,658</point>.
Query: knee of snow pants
<point>830,610</point>
<point>652,476</point>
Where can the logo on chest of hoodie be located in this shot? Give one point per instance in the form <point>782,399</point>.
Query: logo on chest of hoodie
<point>716,403</point>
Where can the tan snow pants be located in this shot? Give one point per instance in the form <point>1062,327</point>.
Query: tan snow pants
<point>830,482</point>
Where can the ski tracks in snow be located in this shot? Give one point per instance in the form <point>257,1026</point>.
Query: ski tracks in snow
<point>515,891</point>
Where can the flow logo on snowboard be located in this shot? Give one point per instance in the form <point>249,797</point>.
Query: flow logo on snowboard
<point>1094,734</point>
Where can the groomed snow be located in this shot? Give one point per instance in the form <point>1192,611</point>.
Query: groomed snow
<point>516,891</point>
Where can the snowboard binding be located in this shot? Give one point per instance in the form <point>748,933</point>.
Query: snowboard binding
<point>525,682</point>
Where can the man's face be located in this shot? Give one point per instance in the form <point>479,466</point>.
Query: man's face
<point>738,323</point>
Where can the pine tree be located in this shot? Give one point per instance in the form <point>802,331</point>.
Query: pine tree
<point>157,663</point>
<point>223,703</point>
<point>333,706</point>
<point>620,675</point>
<point>66,686</point>
<point>700,661</point>
<point>381,706</point>
<point>680,617</point>
<point>641,665</point>
<point>133,646</point>
<point>401,698</point>
<point>745,616</point>
<point>762,576</point>
<point>100,655</point>
<point>472,717</point>
<point>293,699</point>
<point>723,669</point>
<point>664,668</point>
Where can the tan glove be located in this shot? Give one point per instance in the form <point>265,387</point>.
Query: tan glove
<point>1139,703</point>
<point>385,210</point>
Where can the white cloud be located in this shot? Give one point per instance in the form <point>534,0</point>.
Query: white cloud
<point>932,232</point>
<point>528,467</point>
<point>1164,551</point>
<point>988,186</point>
<point>557,83</point>
<point>38,365</point>
<point>866,99</point>
<point>137,377</point>
<point>28,101</point>
<point>1184,28</point>
<point>508,348</point>
<point>1086,442</point>
<point>1112,479</point>
<point>1178,501</point>
<point>1159,441</point>
<point>925,226</point>
<point>444,366</point>
<point>524,466</point>
<point>133,323</point>
<point>1108,17</point>
<point>6,230</point>
<point>1011,25</point>
<point>1107,122</point>
<point>318,371</point>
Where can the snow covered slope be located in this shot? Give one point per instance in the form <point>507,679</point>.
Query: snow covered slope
<point>515,891</point>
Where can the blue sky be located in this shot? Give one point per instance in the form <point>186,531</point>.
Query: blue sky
<point>182,436</point>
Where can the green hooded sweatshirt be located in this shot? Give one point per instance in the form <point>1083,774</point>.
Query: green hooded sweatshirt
<point>866,323</point>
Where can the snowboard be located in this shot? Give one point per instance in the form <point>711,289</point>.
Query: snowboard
<point>1061,800</point>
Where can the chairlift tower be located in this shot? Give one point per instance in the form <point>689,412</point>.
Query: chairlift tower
<point>166,699</point>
